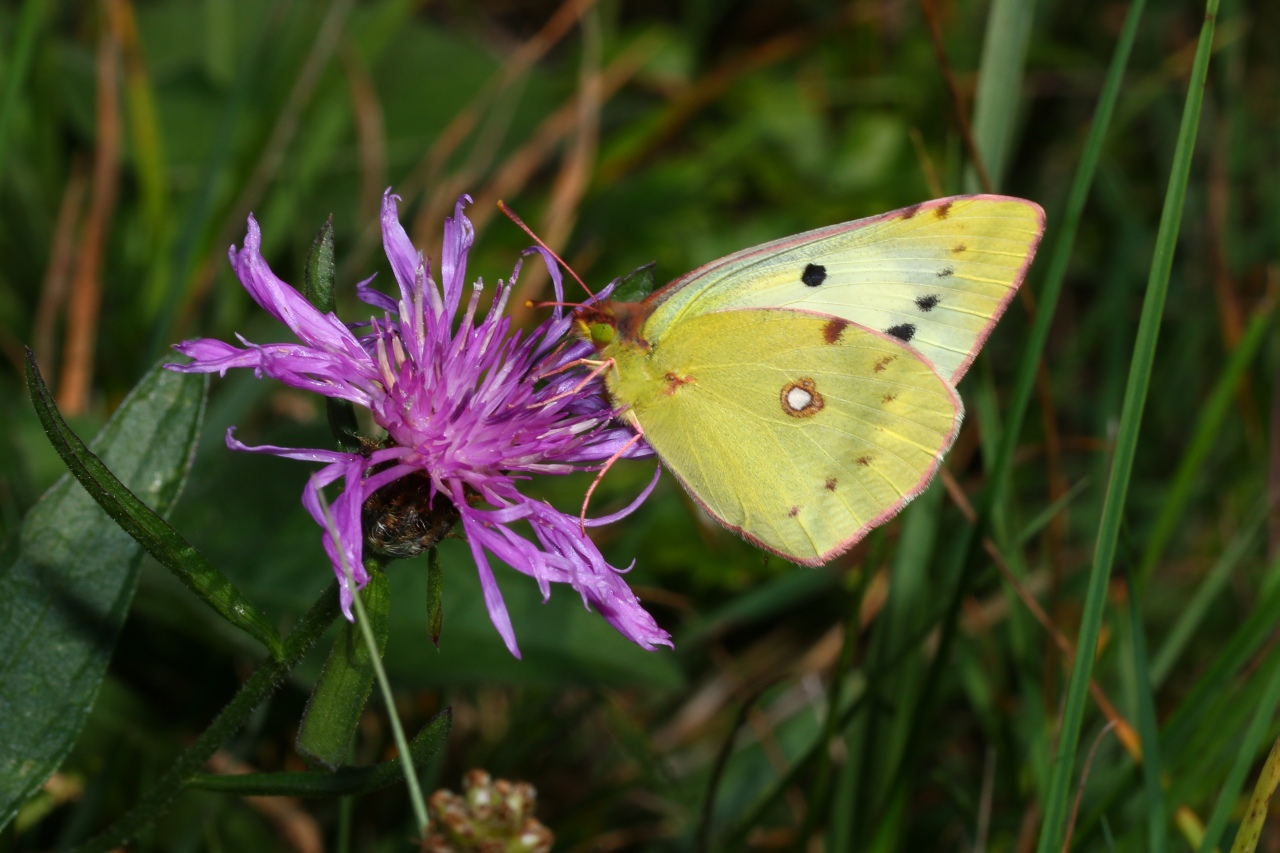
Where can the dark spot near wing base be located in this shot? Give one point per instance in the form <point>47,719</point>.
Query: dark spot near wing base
<point>831,484</point>
<point>928,303</point>
<point>903,331</point>
<point>674,382</point>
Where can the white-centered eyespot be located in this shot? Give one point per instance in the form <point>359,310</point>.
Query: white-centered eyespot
<point>800,399</point>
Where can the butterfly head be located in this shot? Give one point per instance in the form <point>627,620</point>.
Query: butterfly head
<point>610,323</point>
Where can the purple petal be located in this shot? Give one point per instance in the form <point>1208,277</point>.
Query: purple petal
<point>304,454</point>
<point>629,508</point>
<point>553,269</point>
<point>405,260</point>
<point>284,303</point>
<point>345,514</point>
<point>458,237</point>
<point>213,357</point>
<point>368,295</point>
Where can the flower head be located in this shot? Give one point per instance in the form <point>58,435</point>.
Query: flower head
<point>469,407</point>
<point>489,815</point>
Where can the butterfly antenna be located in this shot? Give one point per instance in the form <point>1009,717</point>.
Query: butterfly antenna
<point>582,516</point>
<point>511,214</point>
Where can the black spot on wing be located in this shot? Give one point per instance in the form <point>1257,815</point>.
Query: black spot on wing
<point>928,303</point>
<point>814,275</point>
<point>903,331</point>
<point>946,272</point>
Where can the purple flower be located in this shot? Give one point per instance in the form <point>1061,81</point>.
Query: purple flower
<point>469,409</point>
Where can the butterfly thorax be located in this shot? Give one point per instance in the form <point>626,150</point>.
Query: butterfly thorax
<point>614,328</point>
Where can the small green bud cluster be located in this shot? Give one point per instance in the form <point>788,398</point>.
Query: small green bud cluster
<point>490,817</point>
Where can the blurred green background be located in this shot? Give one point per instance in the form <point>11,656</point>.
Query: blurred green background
<point>135,137</point>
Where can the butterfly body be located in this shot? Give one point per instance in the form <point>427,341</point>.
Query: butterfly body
<point>803,391</point>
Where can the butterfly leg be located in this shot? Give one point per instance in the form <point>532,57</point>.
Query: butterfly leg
<point>631,442</point>
<point>599,367</point>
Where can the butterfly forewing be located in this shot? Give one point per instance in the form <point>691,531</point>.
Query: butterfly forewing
<point>936,276</point>
<point>799,431</point>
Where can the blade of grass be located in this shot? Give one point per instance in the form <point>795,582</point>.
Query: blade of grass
<point>884,735</point>
<point>1243,645</point>
<point>1059,257</point>
<point>1252,741</point>
<point>346,781</point>
<point>1250,831</point>
<point>1054,828</point>
<point>995,104</point>
<point>1205,436</point>
<point>1148,728</point>
<point>819,806</point>
<point>29,25</point>
<point>1193,612</point>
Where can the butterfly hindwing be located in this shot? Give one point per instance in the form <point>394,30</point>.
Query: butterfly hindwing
<point>798,430</point>
<point>936,276</point>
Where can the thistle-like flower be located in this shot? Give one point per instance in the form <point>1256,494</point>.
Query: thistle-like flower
<point>469,407</point>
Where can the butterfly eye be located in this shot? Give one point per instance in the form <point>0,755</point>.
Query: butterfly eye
<point>601,333</point>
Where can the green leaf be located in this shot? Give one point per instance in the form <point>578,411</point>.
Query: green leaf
<point>265,679</point>
<point>141,522</point>
<point>318,274</point>
<point>995,104</point>
<point>334,709</point>
<point>69,577</point>
<point>637,284</point>
<point>318,287</point>
<point>343,782</point>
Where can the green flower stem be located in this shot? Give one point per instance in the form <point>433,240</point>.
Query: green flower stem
<point>260,685</point>
<point>410,772</point>
<point>402,744</point>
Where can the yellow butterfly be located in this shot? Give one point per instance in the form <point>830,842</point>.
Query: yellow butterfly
<point>803,391</point>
